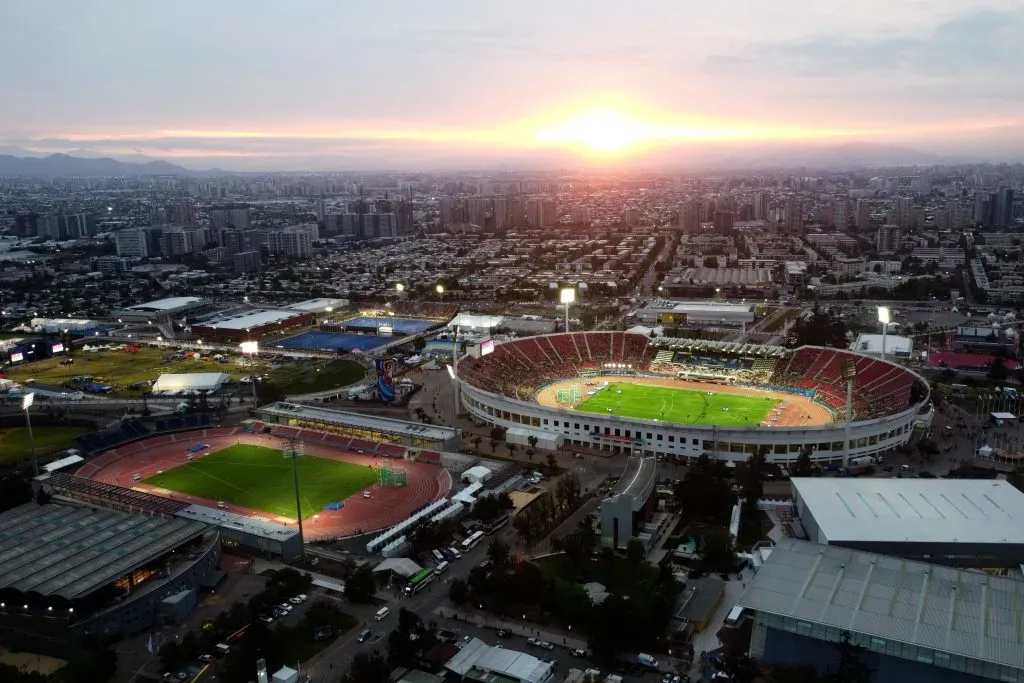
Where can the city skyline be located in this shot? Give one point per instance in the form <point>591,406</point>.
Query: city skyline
<point>244,87</point>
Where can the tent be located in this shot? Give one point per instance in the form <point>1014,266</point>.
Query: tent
<point>985,452</point>
<point>190,382</point>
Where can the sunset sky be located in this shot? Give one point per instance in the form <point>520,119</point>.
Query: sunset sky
<point>270,84</point>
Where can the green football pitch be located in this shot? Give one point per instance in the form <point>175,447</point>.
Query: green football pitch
<point>261,479</point>
<point>683,406</point>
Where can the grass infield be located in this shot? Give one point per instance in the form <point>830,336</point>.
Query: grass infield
<point>683,406</point>
<point>15,445</point>
<point>260,478</point>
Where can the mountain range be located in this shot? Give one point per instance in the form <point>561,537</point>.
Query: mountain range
<point>65,165</point>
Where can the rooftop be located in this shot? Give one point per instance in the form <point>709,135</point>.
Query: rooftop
<point>340,417</point>
<point>245,321</point>
<point>71,551</point>
<point>317,305</point>
<point>229,520</point>
<point>872,343</point>
<point>507,664</point>
<point>965,613</point>
<point>166,304</point>
<point>871,509</point>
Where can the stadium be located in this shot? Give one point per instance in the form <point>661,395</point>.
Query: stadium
<point>625,392</point>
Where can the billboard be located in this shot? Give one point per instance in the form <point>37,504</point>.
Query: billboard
<point>671,318</point>
<point>385,378</point>
<point>385,330</point>
<point>487,347</point>
<point>58,347</point>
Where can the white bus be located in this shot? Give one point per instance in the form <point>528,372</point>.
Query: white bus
<point>472,541</point>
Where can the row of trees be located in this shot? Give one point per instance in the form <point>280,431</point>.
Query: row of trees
<point>547,510</point>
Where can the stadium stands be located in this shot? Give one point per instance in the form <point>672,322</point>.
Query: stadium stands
<point>520,367</point>
<point>129,430</point>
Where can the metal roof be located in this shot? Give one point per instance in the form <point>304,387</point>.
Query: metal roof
<point>166,304</point>
<point>253,526</point>
<point>517,666</point>
<point>69,551</point>
<point>250,319</point>
<point>341,417</point>
<point>909,510</point>
<point>965,613</point>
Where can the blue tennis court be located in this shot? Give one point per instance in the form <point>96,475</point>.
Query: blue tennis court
<point>401,326</point>
<point>334,341</point>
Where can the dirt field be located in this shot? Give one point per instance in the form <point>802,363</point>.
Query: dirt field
<point>793,411</point>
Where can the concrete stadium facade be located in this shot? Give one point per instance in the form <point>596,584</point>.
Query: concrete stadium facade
<point>877,436</point>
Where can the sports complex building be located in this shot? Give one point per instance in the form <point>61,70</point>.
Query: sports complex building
<point>745,397</point>
<point>914,621</point>
<point>977,523</point>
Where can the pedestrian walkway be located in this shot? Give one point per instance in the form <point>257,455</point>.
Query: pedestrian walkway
<point>524,629</point>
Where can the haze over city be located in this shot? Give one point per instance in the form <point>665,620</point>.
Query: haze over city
<point>334,86</point>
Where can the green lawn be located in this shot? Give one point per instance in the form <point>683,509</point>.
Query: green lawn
<point>261,478</point>
<point>307,377</point>
<point>683,406</point>
<point>15,447</point>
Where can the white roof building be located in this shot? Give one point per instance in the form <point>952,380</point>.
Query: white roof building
<point>479,661</point>
<point>318,305</point>
<point>189,382</point>
<point>251,320</point>
<point>952,521</point>
<point>871,345</point>
<point>476,322</point>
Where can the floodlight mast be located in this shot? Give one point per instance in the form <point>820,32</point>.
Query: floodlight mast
<point>884,318</point>
<point>568,296</point>
<point>251,348</point>
<point>26,403</point>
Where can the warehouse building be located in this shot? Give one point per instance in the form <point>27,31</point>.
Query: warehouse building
<point>251,534</point>
<point>914,621</point>
<point>251,325</point>
<point>958,522</point>
<point>478,661</point>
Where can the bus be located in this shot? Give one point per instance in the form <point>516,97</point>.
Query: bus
<point>472,541</point>
<point>421,579</point>
<point>496,524</point>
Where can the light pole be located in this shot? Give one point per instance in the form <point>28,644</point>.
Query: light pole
<point>295,448</point>
<point>884,318</point>
<point>26,402</point>
<point>251,348</point>
<point>567,297</point>
<point>399,288</point>
<point>440,292</point>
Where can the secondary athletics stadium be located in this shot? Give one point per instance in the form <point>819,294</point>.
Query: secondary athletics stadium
<point>621,391</point>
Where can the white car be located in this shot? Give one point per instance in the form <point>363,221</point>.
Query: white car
<point>367,494</point>
<point>298,599</point>
<point>286,607</point>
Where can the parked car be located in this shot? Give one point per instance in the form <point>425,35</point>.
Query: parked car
<point>298,599</point>
<point>286,607</point>
<point>267,619</point>
<point>501,633</point>
<point>206,658</point>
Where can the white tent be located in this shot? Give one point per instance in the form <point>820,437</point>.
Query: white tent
<point>189,382</point>
<point>985,452</point>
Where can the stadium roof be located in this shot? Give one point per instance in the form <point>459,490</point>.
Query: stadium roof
<point>872,343</point>
<point>966,613</point>
<point>251,319</point>
<point>70,552</point>
<point>871,509</point>
<point>476,322</point>
<point>317,305</point>
<point>715,346</point>
<point>517,666</point>
<point>166,304</point>
<point>340,417</point>
<point>229,520</point>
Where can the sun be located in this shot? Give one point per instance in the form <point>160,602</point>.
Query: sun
<point>603,132</point>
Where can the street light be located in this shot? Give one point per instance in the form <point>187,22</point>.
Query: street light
<point>251,348</point>
<point>440,291</point>
<point>568,295</point>
<point>26,402</point>
<point>884,318</point>
<point>399,288</point>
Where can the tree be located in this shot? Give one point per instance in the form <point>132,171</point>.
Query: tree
<point>718,554</point>
<point>476,443</point>
<point>568,492</point>
<point>704,493</point>
<point>803,467</point>
<point>498,552</point>
<point>997,370</point>
<point>458,591</point>
<point>368,668</point>
<point>533,441</point>
<point>635,553</point>
<point>740,667</point>
<point>360,587</point>
<point>552,464</point>
<point>90,662</point>
<point>850,668</point>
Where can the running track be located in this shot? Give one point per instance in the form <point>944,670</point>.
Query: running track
<point>387,507</point>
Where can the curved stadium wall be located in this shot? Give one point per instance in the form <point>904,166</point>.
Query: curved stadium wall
<point>890,400</point>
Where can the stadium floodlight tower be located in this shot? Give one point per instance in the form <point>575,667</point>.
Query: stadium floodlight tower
<point>26,403</point>
<point>849,371</point>
<point>440,292</point>
<point>296,449</point>
<point>251,348</point>
<point>568,296</point>
<point>885,319</point>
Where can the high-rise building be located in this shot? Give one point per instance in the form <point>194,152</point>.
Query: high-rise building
<point>888,239</point>
<point>177,242</point>
<point>405,217</point>
<point>67,226</point>
<point>863,217</point>
<point>631,216</point>
<point>132,243</point>
<point>724,222</point>
<point>1004,208</point>
<point>760,206</point>
<point>841,213</point>
<point>111,265</point>
<point>794,217</point>
<point>581,215</point>
<point>292,241</point>
<point>541,212</point>
<point>691,216</point>
<point>246,262</point>
<point>904,213</point>
<point>229,218</point>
